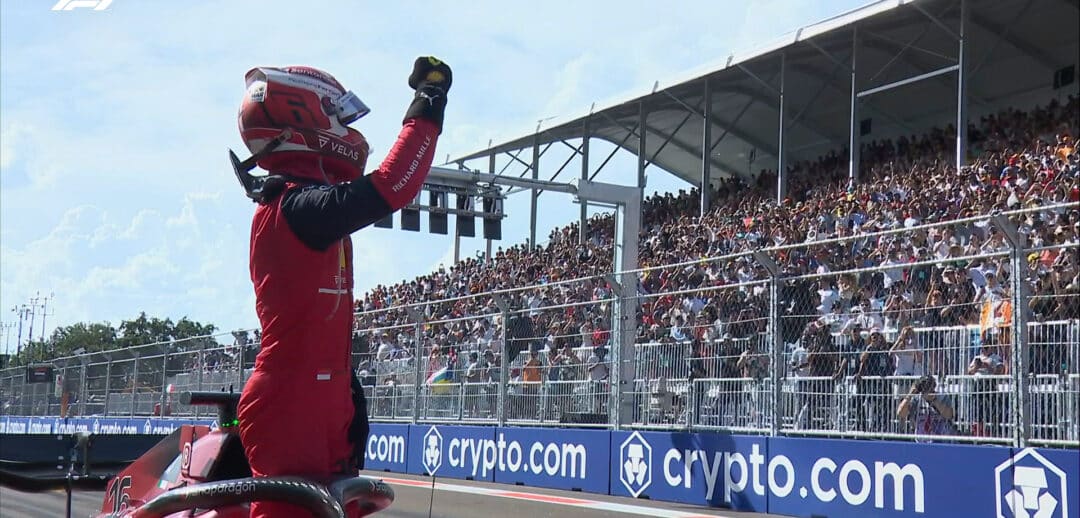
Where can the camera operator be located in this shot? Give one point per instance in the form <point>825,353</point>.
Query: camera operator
<point>933,412</point>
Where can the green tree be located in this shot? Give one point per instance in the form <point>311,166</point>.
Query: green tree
<point>82,337</point>
<point>96,337</point>
<point>146,330</point>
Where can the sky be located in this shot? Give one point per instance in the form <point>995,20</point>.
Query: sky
<point>116,196</point>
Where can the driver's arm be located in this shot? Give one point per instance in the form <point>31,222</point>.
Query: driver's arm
<point>321,215</point>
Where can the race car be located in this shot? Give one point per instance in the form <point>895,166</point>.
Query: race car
<point>201,472</point>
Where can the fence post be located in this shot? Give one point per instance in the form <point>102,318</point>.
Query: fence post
<point>134,384</point>
<point>199,365</point>
<point>240,346</point>
<point>164,381</point>
<point>623,339</point>
<point>1019,370</point>
<point>84,388</point>
<point>774,337</point>
<point>108,384</point>
<point>504,363</point>
<point>418,357</point>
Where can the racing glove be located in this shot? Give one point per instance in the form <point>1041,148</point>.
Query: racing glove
<point>431,79</point>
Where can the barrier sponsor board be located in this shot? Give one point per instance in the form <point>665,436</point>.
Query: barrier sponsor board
<point>95,425</point>
<point>705,469</point>
<point>841,477</point>
<point>466,452</point>
<point>567,459</point>
<point>386,448</point>
<point>789,476</point>
<point>1037,483</point>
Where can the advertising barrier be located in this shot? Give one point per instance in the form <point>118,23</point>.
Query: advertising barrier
<point>95,425</point>
<point>452,451</point>
<point>790,476</point>
<point>703,469</point>
<point>386,447</point>
<point>782,475</point>
<point>570,459</point>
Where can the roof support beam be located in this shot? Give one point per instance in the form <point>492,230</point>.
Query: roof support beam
<point>720,164</point>
<point>642,136</point>
<point>583,223</point>
<point>761,81</point>
<point>730,128</point>
<point>910,44</point>
<point>535,193</point>
<point>948,30</point>
<point>563,166</point>
<point>853,137</point>
<point>668,139</point>
<point>914,79</point>
<point>998,38</point>
<point>781,159</point>
<point>962,86</point>
<point>513,157</point>
<point>771,101</point>
<point>620,145</point>
<point>825,83</point>
<point>734,122</point>
<point>1031,51</point>
<point>705,186</point>
<point>901,47</point>
<point>889,47</point>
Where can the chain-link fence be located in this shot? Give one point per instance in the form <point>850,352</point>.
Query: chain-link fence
<point>910,333</point>
<point>137,381</point>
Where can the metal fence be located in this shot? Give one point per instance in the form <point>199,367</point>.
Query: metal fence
<point>912,334</point>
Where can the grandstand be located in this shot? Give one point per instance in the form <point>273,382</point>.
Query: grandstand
<point>808,297</point>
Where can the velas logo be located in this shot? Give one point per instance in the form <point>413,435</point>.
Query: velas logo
<point>635,461</point>
<point>338,147</point>
<point>433,446</point>
<point>1030,486</point>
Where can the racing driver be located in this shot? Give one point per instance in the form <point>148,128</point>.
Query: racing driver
<point>302,413</point>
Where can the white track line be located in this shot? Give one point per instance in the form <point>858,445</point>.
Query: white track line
<point>551,499</point>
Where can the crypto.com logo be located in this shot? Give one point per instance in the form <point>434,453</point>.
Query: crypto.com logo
<point>432,454</point>
<point>635,459</point>
<point>68,5</point>
<point>1030,486</point>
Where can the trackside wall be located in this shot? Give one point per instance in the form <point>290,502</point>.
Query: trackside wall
<point>783,475</point>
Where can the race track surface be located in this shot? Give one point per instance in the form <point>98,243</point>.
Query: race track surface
<point>451,499</point>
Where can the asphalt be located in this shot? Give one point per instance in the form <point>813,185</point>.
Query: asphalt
<point>414,499</point>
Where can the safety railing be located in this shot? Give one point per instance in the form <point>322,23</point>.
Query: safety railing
<point>829,338</point>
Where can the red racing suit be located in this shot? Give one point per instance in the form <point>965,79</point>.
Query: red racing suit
<point>297,409</point>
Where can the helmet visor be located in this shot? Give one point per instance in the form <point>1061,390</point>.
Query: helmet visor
<point>349,108</point>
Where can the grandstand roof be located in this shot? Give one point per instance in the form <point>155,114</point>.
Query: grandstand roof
<point>1013,47</point>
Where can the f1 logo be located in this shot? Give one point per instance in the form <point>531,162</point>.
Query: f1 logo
<point>68,5</point>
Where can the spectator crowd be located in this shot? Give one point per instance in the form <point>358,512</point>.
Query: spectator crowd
<point>704,296</point>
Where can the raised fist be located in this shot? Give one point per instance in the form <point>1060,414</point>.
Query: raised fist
<point>429,70</point>
<point>431,78</point>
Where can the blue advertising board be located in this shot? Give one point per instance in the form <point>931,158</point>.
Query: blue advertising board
<point>874,478</point>
<point>451,451</point>
<point>711,469</point>
<point>1037,482</point>
<point>789,476</point>
<point>95,425</point>
<point>563,459</point>
<point>386,447</point>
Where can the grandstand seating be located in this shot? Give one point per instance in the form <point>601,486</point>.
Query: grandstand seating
<point>906,253</point>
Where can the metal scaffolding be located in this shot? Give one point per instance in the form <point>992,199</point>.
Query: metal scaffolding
<point>890,68</point>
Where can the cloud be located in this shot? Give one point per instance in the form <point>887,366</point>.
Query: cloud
<point>8,143</point>
<point>103,269</point>
<point>116,194</point>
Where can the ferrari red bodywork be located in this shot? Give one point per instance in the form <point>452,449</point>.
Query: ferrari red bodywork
<point>190,455</point>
